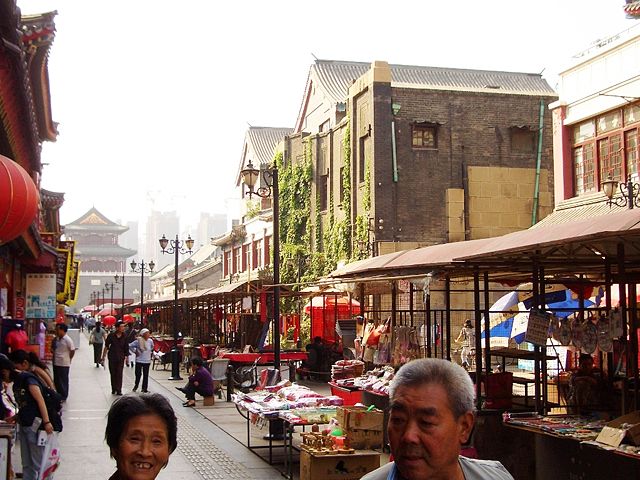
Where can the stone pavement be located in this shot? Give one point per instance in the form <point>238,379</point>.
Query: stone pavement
<point>204,450</point>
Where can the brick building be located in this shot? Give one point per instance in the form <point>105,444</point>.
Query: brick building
<point>433,154</point>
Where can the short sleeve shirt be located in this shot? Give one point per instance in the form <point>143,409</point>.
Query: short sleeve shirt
<point>62,355</point>
<point>17,340</point>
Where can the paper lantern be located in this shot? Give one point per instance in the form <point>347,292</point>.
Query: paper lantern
<point>18,200</point>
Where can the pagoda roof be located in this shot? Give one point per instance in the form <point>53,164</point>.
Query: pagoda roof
<point>103,251</point>
<point>51,199</point>
<point>93,220</point>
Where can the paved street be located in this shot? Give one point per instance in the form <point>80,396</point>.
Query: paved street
<point>204,450</point>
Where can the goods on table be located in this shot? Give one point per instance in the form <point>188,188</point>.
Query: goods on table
<point>376,380</point>
<point>346,369</point>
<point>324,444</point>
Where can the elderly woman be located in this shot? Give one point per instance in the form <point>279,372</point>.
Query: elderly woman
<point>141,433</point>
<point>142,347</point>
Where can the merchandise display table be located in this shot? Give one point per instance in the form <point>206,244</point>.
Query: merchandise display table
<point>265,358</point>
<point>564,446</point>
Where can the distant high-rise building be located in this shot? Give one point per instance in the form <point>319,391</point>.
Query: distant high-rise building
<point>131,238</point>
<point>158,224</point>
<point>210,225</point>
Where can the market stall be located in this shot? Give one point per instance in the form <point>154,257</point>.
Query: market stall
<point>345,430</point>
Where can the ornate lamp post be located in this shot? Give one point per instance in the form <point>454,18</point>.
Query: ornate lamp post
<point>270,189</point>
<point>175,247</point>
<point>110,287</point>
<point>141,269</point>
<point>120,279</point>
<point>629,192</point>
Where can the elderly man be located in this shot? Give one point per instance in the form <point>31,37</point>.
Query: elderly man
<point>117,349</point>
<point>431,416</point>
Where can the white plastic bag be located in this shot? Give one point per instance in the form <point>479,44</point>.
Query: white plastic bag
<point>50,458</point>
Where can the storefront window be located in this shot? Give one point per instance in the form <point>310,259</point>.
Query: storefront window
<point>631,114</point>
<point>609,122</point>
<point>610,154</point>
<point>584,131</point>
<point>631,151</point>
<point>584,168</point>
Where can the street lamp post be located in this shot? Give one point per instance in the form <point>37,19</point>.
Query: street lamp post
<point>141,269</point>
<point>120,279</point>
<point>175,247</point>
<point>109,287</point>
<point>270,176</point>
<point>629,192</point>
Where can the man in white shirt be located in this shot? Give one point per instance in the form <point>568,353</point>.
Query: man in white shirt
<point>431,415</point>
<point>62,355</point>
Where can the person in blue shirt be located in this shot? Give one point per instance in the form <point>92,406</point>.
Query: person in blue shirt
<point>142,347</point>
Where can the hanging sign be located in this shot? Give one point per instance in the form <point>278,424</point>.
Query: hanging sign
<point>538,327</point>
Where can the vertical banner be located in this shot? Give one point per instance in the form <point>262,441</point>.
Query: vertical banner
<point>41,295</point>
<point>73,283</point>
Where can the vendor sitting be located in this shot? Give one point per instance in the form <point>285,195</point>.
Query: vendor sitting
<point>200,382</point>
<point>585,387</point>
<point>316,358</point>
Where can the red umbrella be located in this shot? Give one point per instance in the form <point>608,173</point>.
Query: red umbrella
<point>128,318</point>
<point>109,321</point>
<point>89,308</point>
<point>107,311</point>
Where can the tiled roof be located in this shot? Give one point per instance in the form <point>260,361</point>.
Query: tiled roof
<point>104,251</point>
<point>94,220</point>
<point>579,208</point>
<point>335,77</point>
<point>264,140</point>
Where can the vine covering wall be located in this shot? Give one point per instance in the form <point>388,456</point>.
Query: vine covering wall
<point>312,243</point>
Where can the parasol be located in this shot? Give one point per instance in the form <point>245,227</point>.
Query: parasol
<point>107,311</point>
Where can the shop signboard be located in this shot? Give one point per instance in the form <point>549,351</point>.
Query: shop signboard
<point>538,327</point>
<point>41,295</point>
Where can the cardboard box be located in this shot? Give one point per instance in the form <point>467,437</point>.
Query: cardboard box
<point>363,428</point>
<point>613,432</point>
<point>359,418</point>
<point>337,467</point>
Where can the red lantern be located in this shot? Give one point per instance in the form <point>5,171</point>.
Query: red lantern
<point>18,200</point>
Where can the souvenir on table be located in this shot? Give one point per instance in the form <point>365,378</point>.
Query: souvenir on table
<point>605,342</point>
<point>589,337</point>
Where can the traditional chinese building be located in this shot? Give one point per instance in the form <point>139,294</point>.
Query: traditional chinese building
<point>29,222</point>
<point>97,243</point>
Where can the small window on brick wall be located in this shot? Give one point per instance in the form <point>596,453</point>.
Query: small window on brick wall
<point>523,140</point>
<point>424,136</point>
<point>323,191</point>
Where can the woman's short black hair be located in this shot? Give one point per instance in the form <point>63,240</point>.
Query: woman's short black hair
<point>62,326</point>
<point>130,406</point>
<point>197,361</point>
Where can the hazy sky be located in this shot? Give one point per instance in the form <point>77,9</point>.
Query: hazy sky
<point>153,97</point>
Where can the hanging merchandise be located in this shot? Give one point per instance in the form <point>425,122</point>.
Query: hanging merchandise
<point>589,337</point>
<point>605,342</point>
<point>564,332</point>
<point>383,354</point>
<point>615,323</point>
<point>576,333</point>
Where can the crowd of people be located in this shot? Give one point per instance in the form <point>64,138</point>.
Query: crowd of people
<point>141,429</point>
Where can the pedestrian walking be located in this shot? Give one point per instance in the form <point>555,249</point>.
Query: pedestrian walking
<point>117,349</point>
<point>62,356</point>
<point>96,338</point>
<point>142,347</point>
<point>131,333</point>
<point>33,416</point>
